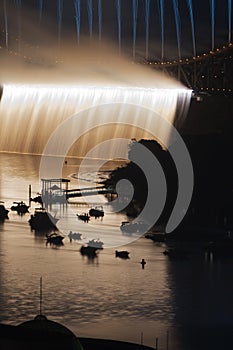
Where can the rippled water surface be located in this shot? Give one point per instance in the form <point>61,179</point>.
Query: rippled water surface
<point>106,296</point>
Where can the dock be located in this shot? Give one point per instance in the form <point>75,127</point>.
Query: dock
<point>56,191</point>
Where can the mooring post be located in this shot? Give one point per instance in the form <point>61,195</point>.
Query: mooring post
<point>156,343</point>
<point>41,297</point>
<point>30,195</point>
<point>141,338</point>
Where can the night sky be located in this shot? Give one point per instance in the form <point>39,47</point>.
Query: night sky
<point>35,21</point>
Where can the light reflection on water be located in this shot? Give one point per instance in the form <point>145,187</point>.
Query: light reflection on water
<point>105,297</point>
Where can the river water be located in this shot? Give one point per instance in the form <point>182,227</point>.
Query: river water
<point>186,304</point>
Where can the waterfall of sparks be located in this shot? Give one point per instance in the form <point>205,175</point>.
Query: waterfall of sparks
<point>59,13</point>
<point>229,20</point>
<point>41,8</point>
<point>147,20</point>
<point>135,16</point>
<point>77,6</point>
<point>90,16</point>
<point>36,111</point>
<point>161,12</point>
<point>212,10</point>
<point>190,6</point>
<point>177,21</point>
<point>118,7</point>
<point>6,24</point>
<point>100,18</point>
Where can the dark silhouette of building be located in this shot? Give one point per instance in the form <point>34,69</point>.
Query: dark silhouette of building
<point>43,334</point>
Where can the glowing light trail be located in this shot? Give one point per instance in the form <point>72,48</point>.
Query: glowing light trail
<point>143,10</point>
<point>6,24</point>
<point>90,16</point>
<point>177,21</point>
<point>190,6</point>
<point>161,11</point>
<point>147,17</point>
<point>41,8</point>
<point>118,7</point>
<point>229,20</point>
<point>212,10</point>
<point>18,4</point>
<point>77,17</point>
<point>135,16</point>
<point>100,18</point>
<point>59,12</point>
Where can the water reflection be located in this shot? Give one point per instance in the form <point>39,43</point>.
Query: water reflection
<point>107,296</point>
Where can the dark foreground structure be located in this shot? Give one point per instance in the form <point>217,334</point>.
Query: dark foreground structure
<point>43,334</point>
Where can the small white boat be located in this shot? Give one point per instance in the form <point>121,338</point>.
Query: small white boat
<point>74,236</point>
<point>95,243</point>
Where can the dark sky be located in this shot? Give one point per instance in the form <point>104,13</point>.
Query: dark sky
<point>29,10</point>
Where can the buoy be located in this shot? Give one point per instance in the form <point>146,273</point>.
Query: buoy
<point>143,263</point>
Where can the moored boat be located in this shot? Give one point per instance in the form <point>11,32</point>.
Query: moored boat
<point>97,212</point>
<point>54,238</point>
<point>123,254</point>
<point>90,252</point>
<point>83,217</point>
<point>42,220</point>
<point>3,212</point>
<point>20,207</point>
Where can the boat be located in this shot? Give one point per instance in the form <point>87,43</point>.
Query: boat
<point>3,212</point>
<point>37,199</point>
<point>83,217</point>
<point>133,227</point>
<point>90,252</point>
<point>20,207</point>
<point>97,212</point>
<point>95,243</point>
<point>42,220</point>
<point>74,236</point>
<point>123,254</point>
<point>54,238</point>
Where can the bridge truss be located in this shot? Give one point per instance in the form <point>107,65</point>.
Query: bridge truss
<point>210,72</point>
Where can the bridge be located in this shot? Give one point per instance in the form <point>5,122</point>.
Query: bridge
<point>210,72</point>
<point>203,24</point>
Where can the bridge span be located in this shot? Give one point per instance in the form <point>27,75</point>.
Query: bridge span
<point>209,72</point>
